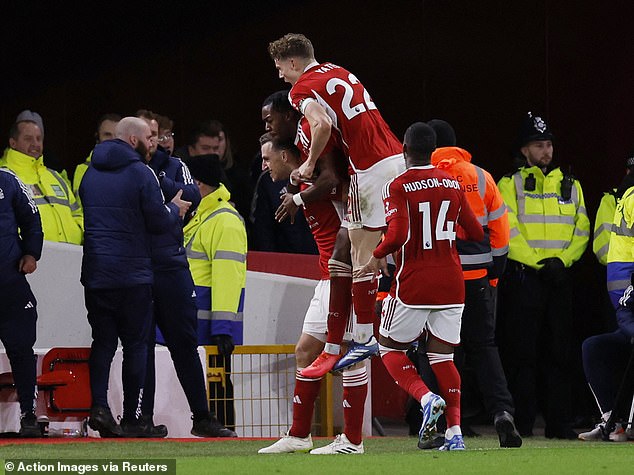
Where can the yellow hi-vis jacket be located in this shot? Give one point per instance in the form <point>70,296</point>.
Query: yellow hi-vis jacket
<point>603,227</point>
<point>80,171</point>
<point>62,216</point>
<point>216,246</point>
<point>621,249</point>
<point>543,224</point>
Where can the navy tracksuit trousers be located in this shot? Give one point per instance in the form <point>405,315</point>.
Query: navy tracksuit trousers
<point>175,314</point>
<point>18,317</point>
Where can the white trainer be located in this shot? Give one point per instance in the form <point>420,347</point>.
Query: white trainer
<point>289,444</point>
<point>617,435</point>
<point>341,445</point>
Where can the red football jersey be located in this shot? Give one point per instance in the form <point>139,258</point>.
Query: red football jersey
<point>323,216</point>
<point>366,136</point>
<point>423,208</point>
<point>324,220</point>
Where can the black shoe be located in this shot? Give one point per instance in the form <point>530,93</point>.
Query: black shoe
<point>507,433</point>
<point>211,427</point>
<point>159,431</point>
<point>102,421</point>
<point>434,442</point>
<point>29,426</point>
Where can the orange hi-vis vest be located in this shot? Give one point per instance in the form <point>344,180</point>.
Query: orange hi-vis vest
<point>488,205</point>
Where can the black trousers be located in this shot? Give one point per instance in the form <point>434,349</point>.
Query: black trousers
<point>125,314</point>
<point>478,350</point>
<point>175,314</point>
<point>534,334</point>
<point>18,317</point>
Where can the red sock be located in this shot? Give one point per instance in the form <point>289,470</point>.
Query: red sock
<point>404,373</point>
<point>355,390</point>
<point>339,307</point>
<point>306,391</point>
<point>449,385</point>
<point>363,300</point>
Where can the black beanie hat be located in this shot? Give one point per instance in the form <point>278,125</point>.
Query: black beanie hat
<point>445,135</point>
<point>533,128</point>
<point>206,168</point>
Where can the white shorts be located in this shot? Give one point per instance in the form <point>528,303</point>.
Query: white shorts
<point>316,319</point>
<point>405,324</point>
<point>365,204</point>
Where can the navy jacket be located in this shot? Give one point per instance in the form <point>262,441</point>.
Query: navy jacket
<point>17,210</point>
<point>122,203</point>
<point>167,247</point>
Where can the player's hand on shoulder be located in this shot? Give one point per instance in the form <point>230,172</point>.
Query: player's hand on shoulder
<point>287,209</point>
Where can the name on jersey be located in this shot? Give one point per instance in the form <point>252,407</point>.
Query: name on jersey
<point>324,68</point>
<point>430,183</point>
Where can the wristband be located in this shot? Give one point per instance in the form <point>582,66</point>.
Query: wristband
<point>297,199</point>
<point>293,181</point>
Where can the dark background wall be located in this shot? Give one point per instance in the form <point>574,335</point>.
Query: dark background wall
<point>479,64</point>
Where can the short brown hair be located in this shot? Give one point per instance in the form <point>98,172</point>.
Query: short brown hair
<point>290,45</point>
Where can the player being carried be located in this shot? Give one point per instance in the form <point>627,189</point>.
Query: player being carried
<point>425,210</point>
<point>333,100</point>
<point>323,207</point>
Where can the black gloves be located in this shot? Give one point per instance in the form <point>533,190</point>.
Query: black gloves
<point>224,343</point>
<point>553,272</point>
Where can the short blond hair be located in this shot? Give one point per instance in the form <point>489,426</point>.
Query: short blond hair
<point>291,45</point>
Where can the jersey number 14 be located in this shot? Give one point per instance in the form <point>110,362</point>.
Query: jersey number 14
<point>444,229</point>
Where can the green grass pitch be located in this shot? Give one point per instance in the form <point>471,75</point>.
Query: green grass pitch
<point>384,455</point>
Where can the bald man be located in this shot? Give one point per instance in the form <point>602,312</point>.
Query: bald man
<point>123,205</point>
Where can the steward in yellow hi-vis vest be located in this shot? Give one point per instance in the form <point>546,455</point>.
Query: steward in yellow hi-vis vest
<point>621,252</point>
<point>216,246</point>
<point>550,231</point>
<point>617,237</point>
<point>61,214</point>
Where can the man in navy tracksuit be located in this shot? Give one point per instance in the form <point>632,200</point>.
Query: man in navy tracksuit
<point>175,311</point>
<point>19,252</point>
<point>123,204</point>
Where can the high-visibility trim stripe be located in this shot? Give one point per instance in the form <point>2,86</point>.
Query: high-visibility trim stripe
<point>603,250</point>
<point>470,259</point>
<point>548,244</point>
<point>622,229</point>
<point>541,219</point>
<point>514,232</point>
<point>499,251</point>
<point>217,315</point>
<point>581,232</point>
<point>201,256</point>
<point>498,213</point>
<point>231,256</point>
<point>190,243</point>
<point>604,227</point>
<point>482,183</point>
<point>618,284</point>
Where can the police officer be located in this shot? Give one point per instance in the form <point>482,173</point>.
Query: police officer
<point>175,310</point>
<point>549,233</point>
<point>20,247</point>
<point>216,244</point>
